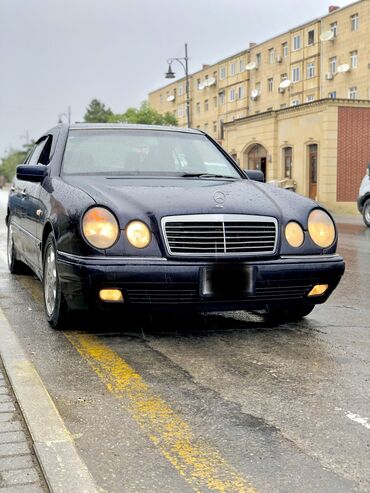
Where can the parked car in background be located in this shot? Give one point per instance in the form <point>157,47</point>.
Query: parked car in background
<point>363,201</point>
<point>146,218</point>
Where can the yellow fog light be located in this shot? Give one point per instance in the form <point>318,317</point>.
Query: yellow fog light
<point>138,234</point>
<point>294,234</point>
<point>318,289</point>
<point>111,295</point>
<point>321,228</point>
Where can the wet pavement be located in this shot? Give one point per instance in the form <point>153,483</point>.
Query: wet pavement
<point>213,402</point>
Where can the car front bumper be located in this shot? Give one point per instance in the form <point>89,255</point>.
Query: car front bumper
<point>156,283</point>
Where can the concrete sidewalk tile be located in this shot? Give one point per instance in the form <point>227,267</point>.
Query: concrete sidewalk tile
<point>3,390</point>
<point>14,449</point>
<point>7,407</point>
<point>22,488</point>
<point>20,462</point>
<point>20,476</point>
<point>5,398</point>
<point>10,426</point>
<point>12,437</point>
<point>5,417</point>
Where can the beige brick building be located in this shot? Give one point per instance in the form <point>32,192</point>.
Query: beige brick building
<point>280,105</point>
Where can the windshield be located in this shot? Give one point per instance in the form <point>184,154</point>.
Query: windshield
<point>143,152</point>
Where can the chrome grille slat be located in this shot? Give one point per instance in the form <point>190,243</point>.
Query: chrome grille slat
<point>220,234</point>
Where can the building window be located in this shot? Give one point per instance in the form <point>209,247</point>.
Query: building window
<point>241,65</point>
<point>180,111</point>
<point>258,87</point>
<point>285,49</point>
<point>311,37</point>
<point>352,92</point>
<point>221,98</point>
<point>283,77</point>
<point>310,70</point>
<point>258,59</point>
<point>206,105</point>
<point>198,107</point>
<point>310,98</point>
<point>221,127</point>
<point>354,59</point>
<point>297,42</point>
<point>232,68</point>
<point>282,106</point>
<point>354,22</point>
<point>271,55</point>
<point>332,95</point>
<point>215,127</point>
<point>270,84</point>
<point>295,102</point>
<point>180,90</point>
<point>215,101</point>
<point>223,73</point>
<point>241,92</point>
<point>334,28</point>
<point>287,159</point>
<point>198,84</point>
<point>232,95</point>
<point>296,74</point>
<point>333,65</point>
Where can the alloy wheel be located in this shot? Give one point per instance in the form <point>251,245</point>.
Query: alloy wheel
<point>50,280</point>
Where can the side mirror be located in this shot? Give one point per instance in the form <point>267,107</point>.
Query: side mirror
<point>32,172</point>
<point>255,175</point>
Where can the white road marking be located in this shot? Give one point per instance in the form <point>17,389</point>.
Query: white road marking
<point>359,419</point>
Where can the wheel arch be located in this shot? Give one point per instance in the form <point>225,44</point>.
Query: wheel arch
<point>48,228</point>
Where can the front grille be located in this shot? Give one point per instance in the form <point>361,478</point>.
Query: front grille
<point>189,293</point>
<point>220,235</point>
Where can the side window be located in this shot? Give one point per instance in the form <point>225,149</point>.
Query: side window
<point>41,152</point>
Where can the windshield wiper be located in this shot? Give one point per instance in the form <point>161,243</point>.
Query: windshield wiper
<point>207,175</point>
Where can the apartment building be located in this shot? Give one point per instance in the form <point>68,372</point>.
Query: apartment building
<point>283,105</point>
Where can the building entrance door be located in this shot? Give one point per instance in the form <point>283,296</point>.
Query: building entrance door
<point>312,165</point>
<point>257,158</point>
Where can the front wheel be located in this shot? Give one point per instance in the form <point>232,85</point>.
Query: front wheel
<point>288,313</point>
<point>366,213</point>
<point>15,266</point>
<point>56,307</point>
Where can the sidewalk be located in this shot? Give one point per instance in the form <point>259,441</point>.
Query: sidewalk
<point>19,469</point>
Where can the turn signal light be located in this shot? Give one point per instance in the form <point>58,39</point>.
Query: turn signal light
<point>114,295</point>
<point>318,289</point>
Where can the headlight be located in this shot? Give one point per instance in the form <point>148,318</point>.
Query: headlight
<point>321,228</point>
<point>138,234</point>
<point>294,234</point>
<point>100,227</point>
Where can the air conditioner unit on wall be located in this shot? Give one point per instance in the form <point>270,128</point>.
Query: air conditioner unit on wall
<point>329,76</point>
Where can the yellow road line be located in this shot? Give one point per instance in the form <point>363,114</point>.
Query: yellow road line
<point>199,463</point>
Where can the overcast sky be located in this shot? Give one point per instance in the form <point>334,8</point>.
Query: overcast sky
<point>60,53</point>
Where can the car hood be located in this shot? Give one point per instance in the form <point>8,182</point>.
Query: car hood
<point>140,198</point>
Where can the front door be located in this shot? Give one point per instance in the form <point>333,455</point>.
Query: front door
<point>312,166</point>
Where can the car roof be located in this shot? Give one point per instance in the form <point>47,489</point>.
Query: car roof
<point>127,126</point>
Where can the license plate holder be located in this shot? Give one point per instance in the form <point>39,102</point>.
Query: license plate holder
<point>227,281</point>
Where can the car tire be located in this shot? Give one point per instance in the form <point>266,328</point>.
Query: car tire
<point>366,213</point>
<point>56,308</point>
<point>15,266</point>
<point>287,313</point>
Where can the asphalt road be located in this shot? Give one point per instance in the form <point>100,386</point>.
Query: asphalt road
<point>215,402</point>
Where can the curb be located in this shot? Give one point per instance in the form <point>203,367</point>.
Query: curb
<point>57,454</point>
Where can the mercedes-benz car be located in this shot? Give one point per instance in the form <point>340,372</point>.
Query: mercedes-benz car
<point>162,218</point>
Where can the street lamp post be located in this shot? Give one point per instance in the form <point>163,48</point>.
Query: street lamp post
<point>170,74</point>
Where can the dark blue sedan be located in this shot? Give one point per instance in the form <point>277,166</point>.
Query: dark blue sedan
<point>141,217</point>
